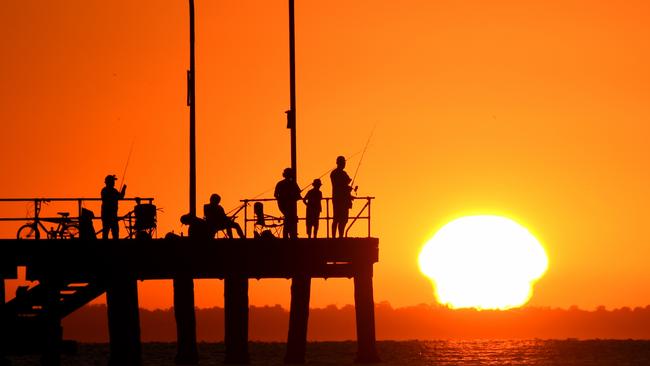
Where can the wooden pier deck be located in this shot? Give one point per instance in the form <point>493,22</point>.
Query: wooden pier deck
<point>73,272</point>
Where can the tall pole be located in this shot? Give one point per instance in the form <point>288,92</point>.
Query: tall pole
<point>186,348</point>
<point>191,101</point>
<point>292,88</point>
<point>300,285</point>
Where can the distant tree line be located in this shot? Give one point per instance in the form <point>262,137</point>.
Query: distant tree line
<point>423,322</point>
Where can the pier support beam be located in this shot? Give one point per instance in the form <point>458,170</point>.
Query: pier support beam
<point>298,320</point>
<point>364,304</point>
<point>236,320</point>
<point>184,312</point>
<point>52,330</point>
<point>123,322</point>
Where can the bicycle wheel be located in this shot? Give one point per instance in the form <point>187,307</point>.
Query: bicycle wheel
<point>70,232</point>
<point>28,231</point>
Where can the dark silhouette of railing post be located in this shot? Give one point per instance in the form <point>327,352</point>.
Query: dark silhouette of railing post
<point>123,320</point>
<point>236,319</point>
<point>364,304</point>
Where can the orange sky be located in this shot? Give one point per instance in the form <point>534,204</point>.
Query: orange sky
<point>538,111</point>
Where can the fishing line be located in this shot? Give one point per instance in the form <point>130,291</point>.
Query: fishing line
<point>363,154</point>
<point>128,159</point>
<point>301,190</point>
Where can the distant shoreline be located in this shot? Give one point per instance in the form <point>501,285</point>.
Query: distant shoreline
<point>425,322</point>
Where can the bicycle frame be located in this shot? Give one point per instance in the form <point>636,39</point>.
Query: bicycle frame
<point>63,224</point>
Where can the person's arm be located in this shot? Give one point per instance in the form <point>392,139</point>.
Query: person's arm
<point>123,192</point>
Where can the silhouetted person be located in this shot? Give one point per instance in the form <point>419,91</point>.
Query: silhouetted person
<point>341,197</point>
<point>110,197</point>
<point>312,200</point>
<point>86,227</point>
<point>197,227</point>
<point>287,193</point>
<point>217,219</point>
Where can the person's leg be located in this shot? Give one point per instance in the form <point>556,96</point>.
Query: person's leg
<point>338,224</point>
<point>295,226</point>
<point>105,229</point>
<point>115,229</point>
<point>240,232</point>
<point>315,225</point>
<point>286,227</point>
<point>342,223</point>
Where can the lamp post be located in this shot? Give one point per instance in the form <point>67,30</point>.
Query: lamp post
<point>292,89</point>
<point>191,102</point>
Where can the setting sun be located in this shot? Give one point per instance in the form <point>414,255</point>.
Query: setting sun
<point>485,262</point>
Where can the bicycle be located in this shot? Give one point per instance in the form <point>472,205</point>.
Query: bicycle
<point>66,228</point>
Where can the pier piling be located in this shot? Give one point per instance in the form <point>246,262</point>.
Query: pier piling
<point>298,320</point>
<point>123,322</point>
<point>236,319</point>
<point>184,312</point>
<point>365,313</point>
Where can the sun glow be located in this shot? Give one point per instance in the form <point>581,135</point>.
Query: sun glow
<point>484,262</point>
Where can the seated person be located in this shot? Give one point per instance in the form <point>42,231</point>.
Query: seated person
<point>198,228</point>
<point>216,218</point>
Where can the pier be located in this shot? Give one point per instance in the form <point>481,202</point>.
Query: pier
<point>71,273</point>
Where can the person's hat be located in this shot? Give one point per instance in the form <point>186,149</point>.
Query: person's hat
<point>316,183</point>
<point>110,177</point>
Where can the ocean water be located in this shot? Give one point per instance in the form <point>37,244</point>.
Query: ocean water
<point>447,353</point>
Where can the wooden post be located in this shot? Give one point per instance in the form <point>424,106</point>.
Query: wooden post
<point>298,320</point>
<point>123,322</point>
<point>364,304</point>
<point>52,331</point>
<point>236,320</point>
<point>187,352</point>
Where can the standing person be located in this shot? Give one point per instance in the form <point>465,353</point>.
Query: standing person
<point>341,197</point>
<point>287,193</point>
<point>312,200</point>
<point>110,197</point>
<point>217,219</point>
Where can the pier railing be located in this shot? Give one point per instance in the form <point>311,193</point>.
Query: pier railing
<point>70,203</point>
<point>362,214</point>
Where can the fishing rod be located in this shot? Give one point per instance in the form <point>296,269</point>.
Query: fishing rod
<point>128,159</point>
<point>362,155</point>
<point>239,207</point>
<point>330,170</point>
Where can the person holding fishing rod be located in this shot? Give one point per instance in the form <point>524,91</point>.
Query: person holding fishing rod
<point>287,194</point>
<point>341,197</point>
<point>110,198</point>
